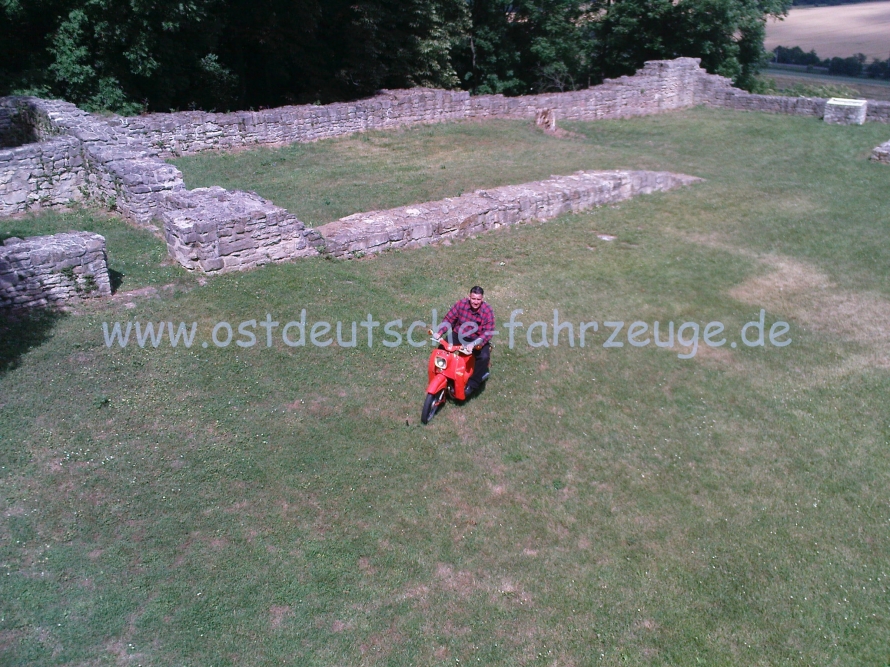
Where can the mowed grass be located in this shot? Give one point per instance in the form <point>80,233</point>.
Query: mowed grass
<point>325,181</point>
<point>841,30</point>
<point>593,506</point>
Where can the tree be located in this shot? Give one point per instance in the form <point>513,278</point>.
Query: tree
<point>108,54</point>
<point>526,46</point>
<point>485,56</point>
<point>726,34</point>
<point>128,55</point>
<point>26,30</point>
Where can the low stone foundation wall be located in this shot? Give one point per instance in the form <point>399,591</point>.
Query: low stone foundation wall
<point>660,86</point>
<point>119,162</point>
<point>215,231</point>
<point>52,270</point>
<point>878,111</point>
<point>472,213</point>
<point>717,91</point>
<point>882,153</point>
<point>42,175</point>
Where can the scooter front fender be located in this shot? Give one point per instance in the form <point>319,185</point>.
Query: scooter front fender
<point>437,384</point>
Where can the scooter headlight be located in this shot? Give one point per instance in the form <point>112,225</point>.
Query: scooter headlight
<point>441,363</point>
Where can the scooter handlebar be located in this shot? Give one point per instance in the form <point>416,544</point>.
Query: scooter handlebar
<point>448,346</point>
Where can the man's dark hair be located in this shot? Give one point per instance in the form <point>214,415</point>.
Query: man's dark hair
<point>477,290</point>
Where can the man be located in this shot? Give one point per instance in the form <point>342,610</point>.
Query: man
<point>471,322</point>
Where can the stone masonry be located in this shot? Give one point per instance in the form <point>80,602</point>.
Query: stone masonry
<point>215,230</point>
<point>52,270</point>
<point>840,111</point>
<point>46,174</point>
<point>119,162</point>
<point>482,210</point>
<point>882,153</point>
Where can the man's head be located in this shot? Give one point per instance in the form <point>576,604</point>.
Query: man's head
<point>476,297</point>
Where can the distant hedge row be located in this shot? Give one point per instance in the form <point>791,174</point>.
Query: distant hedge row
<point>851,66</point>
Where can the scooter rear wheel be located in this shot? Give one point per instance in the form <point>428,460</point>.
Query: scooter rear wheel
<point>431,406</point>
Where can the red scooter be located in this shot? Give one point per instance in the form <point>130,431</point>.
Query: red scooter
<point>450,368</point>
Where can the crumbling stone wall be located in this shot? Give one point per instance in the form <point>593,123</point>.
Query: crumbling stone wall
<point>878,111</point>
<point>483,210</point>
<point>882,153</point>
<point>119,162</point>
<point>660,86</point>
<point>52,270</point>
<point>15,128</point>
<point>46,174</point>
<point>216,230</point>
<point>119,173</point>
<point>717,91</point>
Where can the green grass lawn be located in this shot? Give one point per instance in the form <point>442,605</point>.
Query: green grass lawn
<point>593,506</point>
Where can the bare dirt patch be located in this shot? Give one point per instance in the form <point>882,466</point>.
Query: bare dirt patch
<point>277,614</point>
<point>802,292</point>
<point>808,297</point>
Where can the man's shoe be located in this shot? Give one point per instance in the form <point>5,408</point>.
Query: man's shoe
<point>485,377</point>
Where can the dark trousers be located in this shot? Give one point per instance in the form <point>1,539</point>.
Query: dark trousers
<point>482,357</point>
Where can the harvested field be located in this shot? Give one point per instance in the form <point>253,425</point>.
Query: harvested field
<point>835,31</point>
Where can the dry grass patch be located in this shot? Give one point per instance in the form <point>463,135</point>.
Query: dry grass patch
<point>808,297</point>
<point>805,294</point>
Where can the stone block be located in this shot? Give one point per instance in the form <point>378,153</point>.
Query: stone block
<point>882,153</point>
<point>58,268</point>
<point>840,111</point>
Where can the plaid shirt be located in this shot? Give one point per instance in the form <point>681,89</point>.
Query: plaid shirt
<point>461,313</point>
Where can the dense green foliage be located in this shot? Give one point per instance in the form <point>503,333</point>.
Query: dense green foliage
<point>727,36</point>
<point>135,55</point>
<point>225,53</point>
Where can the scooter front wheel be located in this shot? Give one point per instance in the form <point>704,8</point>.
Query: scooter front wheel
<point>431,406</point>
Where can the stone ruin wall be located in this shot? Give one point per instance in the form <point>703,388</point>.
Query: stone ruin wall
<point>660,86</point>
<point>217,230</point>
<point>882,153</point>
<point>483,210</point>
<point>15,129</point>
<point>42,271</point>
<point>119,162</point>
<point>41,175</point>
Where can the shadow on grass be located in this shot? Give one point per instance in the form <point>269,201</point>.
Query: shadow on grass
<point>21,332</point>
<point>116,278</point>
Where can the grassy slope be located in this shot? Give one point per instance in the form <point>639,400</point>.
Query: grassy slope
<point>592,506</point>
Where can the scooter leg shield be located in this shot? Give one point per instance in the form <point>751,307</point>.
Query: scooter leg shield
<point>437,384</point>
